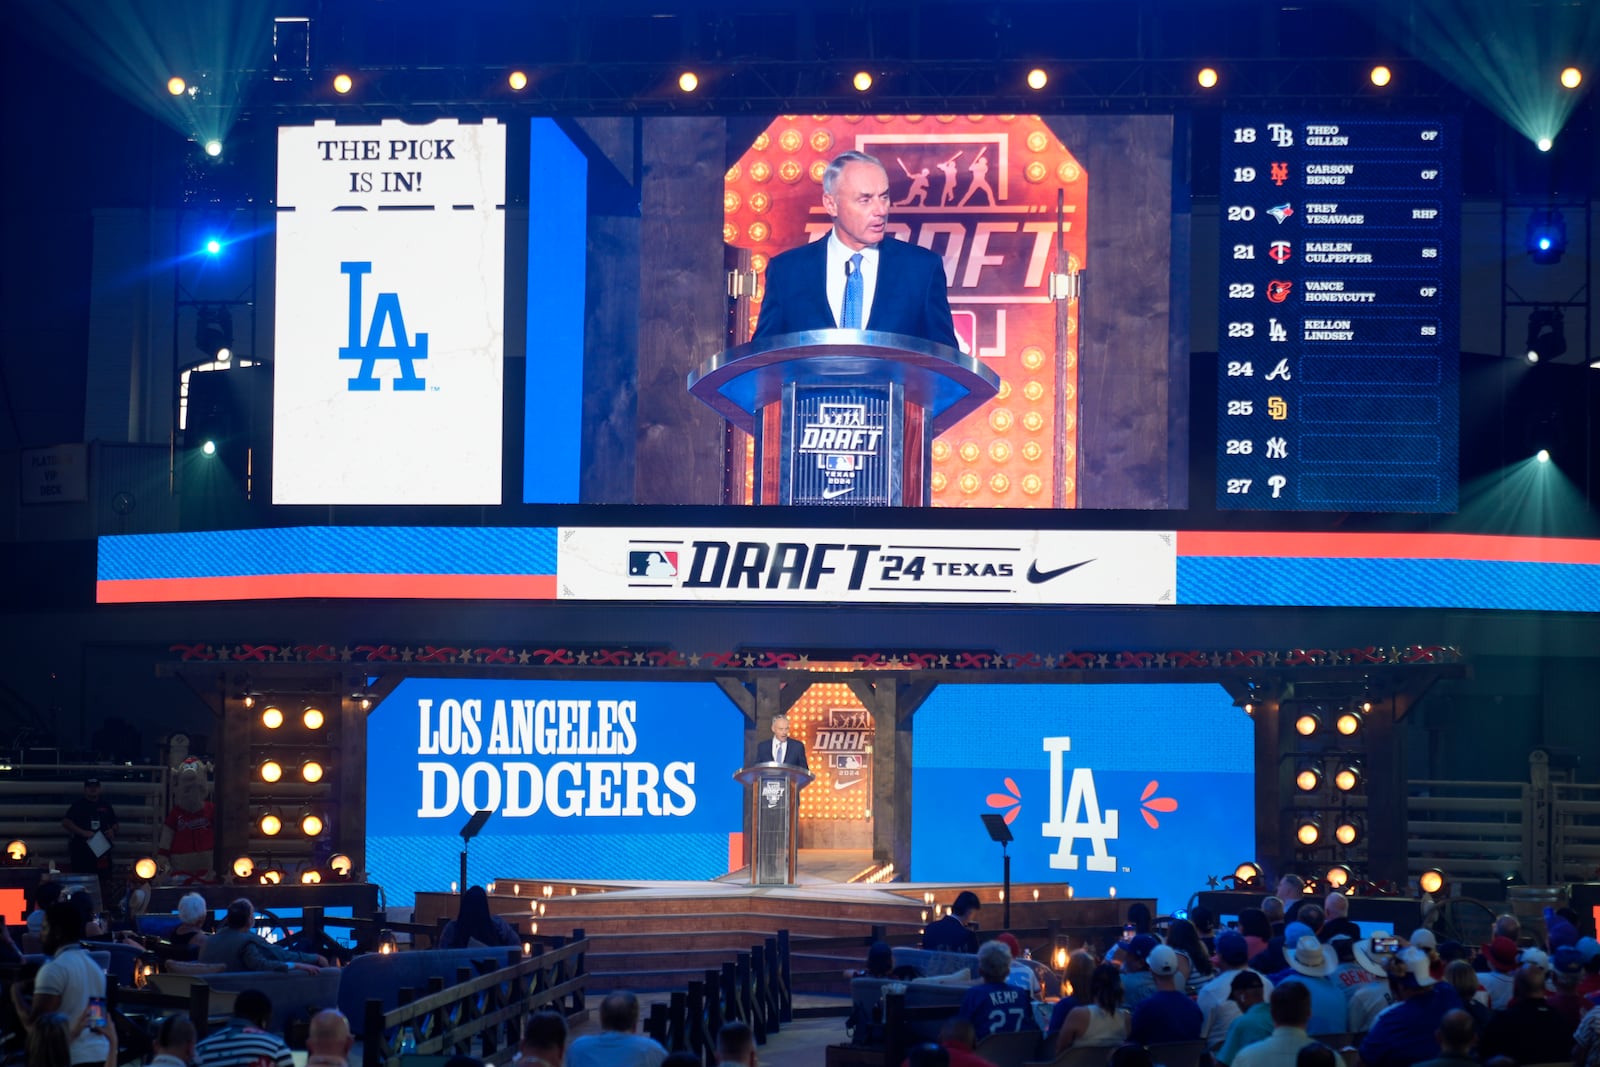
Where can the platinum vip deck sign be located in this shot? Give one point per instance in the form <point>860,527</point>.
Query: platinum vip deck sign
<point>390,313</point>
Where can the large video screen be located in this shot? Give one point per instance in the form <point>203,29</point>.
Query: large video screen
<point>389,355</point>
<point>1138,790</point>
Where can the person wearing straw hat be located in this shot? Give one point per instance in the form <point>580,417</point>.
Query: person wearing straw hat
<point>1310,963</point>
<point>1406,1032</point>
<point>1367,1001</point>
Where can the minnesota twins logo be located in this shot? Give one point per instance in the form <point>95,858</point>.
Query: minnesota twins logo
<point>1280,251</point>
<point>404,351</point>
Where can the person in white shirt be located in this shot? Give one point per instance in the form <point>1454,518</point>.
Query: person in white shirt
<point>1215,998</point>
<point>174,1042</point>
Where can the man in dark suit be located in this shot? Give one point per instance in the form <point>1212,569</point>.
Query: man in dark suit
<point>782,748</point>
<point>853,278</point>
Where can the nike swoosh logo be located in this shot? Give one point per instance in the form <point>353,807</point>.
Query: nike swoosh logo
<point>1037,576</point>
<point>846,785</point>
<point>829,494</point>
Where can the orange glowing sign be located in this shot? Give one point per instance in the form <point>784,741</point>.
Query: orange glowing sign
<point>982,191</point>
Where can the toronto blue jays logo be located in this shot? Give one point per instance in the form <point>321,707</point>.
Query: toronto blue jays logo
<point>404,351</point>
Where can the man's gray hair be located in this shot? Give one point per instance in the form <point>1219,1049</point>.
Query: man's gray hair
<point>994,961</point>
<point>830,177</point>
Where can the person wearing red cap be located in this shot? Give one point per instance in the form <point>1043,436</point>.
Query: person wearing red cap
<point>1501,955</point>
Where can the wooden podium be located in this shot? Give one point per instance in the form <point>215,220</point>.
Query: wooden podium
<point>774,790</point>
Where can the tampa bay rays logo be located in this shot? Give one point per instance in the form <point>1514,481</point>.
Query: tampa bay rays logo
<point>404,351</point>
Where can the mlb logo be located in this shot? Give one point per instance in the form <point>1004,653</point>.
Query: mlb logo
<point>835,461</point>
<point>653,564</point>
<point>966,323</point>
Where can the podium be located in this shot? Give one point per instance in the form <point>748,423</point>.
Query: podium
<point>774,817</point>
<point>844,417</point>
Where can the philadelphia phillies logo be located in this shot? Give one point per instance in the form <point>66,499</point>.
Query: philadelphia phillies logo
<point>404,351</point>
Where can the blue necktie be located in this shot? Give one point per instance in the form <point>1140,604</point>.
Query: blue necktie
<point>854,294</point>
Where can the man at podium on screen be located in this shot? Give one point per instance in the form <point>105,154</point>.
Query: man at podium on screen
<point>853,278</point>
<point>781,748</point>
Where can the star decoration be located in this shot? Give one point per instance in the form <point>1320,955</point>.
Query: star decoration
<point>694,659</point>
<point>583,657</point>
<point>638,659</point>
<point>523,657</point>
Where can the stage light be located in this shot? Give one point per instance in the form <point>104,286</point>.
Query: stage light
<point>213,148</point>
<point>311,877</point>
<point>1546,236</point>
<point>209,447</point>
<point>862,81</point>
<point>1547,334</point>
<point>343,83</point>
<point>1037,78</point>
<point>1571,78</point>
<point>1347,723</point>
<point>1381,75</point>
<point>249,700</point>
<point>1207,78</point>
<point>1338,876</point>
<point>386,943</point>
<point>271,876</point>
<point>271,770</point>
<point>16,851</point>
<point>1431,881</point>
<point>214,247</point>
<point>1366,707</point>
<point>518,81</point>
<point>271,717</point>
<point>1247,873</point>
<point>340,865</point>
<point>1308,831</point>
<point>145,868</point>
<point>311,771</point>
<point>1347,777</point>
<point>1544,144</point>
<point>313,718</point>
<point>688,81</point>
<point>243,867</point>
<point>1309,780</point>
<point>1543,455</point>
<point>271,824</point>
<point>1306,725</point>
<point>1348,832</point>
<point>311,824</point>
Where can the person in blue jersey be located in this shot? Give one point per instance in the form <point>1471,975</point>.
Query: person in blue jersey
<point>994,1006</point>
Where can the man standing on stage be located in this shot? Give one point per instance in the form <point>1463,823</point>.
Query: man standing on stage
<point>782,748</point>
<point>853,279</point>
<point>91,827</point>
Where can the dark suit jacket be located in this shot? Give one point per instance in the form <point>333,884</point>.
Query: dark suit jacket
<point>794,755</point>
<point>910,297</point>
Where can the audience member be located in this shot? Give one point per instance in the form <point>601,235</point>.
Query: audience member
<point>994,1006</point>
<point>1215,999</point>
<point>1137,981</point>
<point>1589,949</point>
<point>66,983</point>
<point>1022,975</point>
<point>1310,964</point>
<point>1167,1014</point>
<point>1404,1034</point>
<point>50,1041</point>
<point>190,933</point>
<point>1254,1022</point>
<point>1291,888</point>
<point>44,896</point>
<point>239,948</point>
<point>1474,1001</point>
<point>1139,918</point>
<point>1309,915</point>
<point>928,1055</point>
<point>474,926</point>
<point>1130,1055</point>
<point>1272,960</point>
<point>1291,1010</point>
<point>1529,1029</point>
<point>951,933</point>
<point>736,1043</point>
<point>174,1042</point>
<point>1098,1020</point>
<point>1456,1034</point>
<point>1566,970</point>
<point>1205,924</point>
<point>1366,1001</point>
<point>1586,1042</point>
<point>544,1040</point>
<point>616,1045</point>
<point>1194,960</point>
<point>245,1040</point>
<point>1501,956</point>
<point>1256,929</point>
<point>1337,922</point>
<point>958,1039</point>
<point>1560,927</point>
<point>1074,990</point>
<point>1272,908</point>
<point>329,1041</point>
<point>1507,926</point>
<point>1317,1054</point>
<point>1424,939</point>
<point>1348,972</point>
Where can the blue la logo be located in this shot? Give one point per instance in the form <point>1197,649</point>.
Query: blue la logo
<point>404,351</point>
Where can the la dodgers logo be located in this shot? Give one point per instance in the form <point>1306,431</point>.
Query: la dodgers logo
<point>1079,817</point>
<point>404,351</point>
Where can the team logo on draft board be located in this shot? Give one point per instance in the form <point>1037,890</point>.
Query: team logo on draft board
<point>404,351</point>
<point>1278,291</point>
<point>1281,212</point>
<point>1280,251</point>
<point>1280,173</point>
<point>845,739</point>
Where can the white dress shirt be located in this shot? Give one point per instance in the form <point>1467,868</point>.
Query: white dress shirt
<point>838,255</point>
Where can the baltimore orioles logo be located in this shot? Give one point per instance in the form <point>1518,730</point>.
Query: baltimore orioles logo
<point>1278,292</point>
